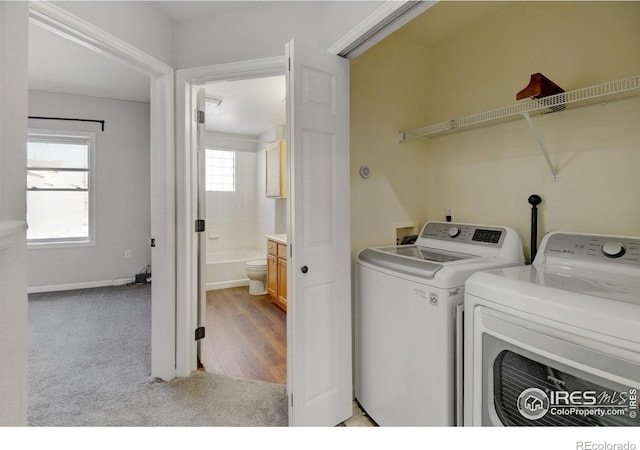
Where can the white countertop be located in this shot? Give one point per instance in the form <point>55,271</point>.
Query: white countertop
<point>281,238</point>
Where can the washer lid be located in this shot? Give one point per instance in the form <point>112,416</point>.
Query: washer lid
<point>425,253</point>
<point>407,263</point>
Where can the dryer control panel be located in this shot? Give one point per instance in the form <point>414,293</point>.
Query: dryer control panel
<point>601,249</point>
<point>464,233</point>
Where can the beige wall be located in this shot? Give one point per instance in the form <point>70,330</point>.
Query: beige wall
<point>487,174</point>
<point>388,88</point>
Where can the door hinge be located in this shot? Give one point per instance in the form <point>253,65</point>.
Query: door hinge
<point>198,116</point>
<point>199,333</point>
<point>200,225</point>
<point>153,242</point>
<point>292,400</point>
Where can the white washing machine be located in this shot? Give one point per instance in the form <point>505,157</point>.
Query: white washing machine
<point>558,342</point>
<point>405,319</point>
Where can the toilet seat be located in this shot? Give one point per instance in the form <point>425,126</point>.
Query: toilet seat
<point>256,271</point>
<point>257,264</point>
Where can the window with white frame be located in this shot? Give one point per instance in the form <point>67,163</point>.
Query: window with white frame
<point>220,170</point>
<point>59,192</point>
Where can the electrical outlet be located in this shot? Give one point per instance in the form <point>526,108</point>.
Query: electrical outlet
<point>127,253</point>
<point>449,216</point>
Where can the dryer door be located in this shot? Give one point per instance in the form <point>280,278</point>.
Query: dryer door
<point>536,375</point>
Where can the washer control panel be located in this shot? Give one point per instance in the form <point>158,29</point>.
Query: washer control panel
<point>464,233</point>
<point>606,249</point>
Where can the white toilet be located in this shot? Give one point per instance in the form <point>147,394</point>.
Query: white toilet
<point>257,273</point>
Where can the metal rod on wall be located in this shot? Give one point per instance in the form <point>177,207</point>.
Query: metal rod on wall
<point>534,200</point>
<point>101,122</point>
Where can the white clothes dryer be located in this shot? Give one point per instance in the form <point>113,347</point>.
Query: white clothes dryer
<point>557,342</point>
<point>405,319</point>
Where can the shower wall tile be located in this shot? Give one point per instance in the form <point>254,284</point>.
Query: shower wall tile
<point>240,219</point>
<point>232,216</point>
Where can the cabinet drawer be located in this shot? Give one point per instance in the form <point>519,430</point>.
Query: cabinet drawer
<point>272,248</point>
<point>282,251</point>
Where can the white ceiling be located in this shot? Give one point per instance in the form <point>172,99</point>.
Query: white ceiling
<point>56,64</point>
<point>249,107</point>
<point>59,65</point>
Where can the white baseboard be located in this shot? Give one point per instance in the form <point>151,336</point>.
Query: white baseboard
<point>227,284</point>
<point>122,281</point>
<point>84,285</point>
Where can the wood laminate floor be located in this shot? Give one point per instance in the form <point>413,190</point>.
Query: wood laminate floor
<point>245,336</point>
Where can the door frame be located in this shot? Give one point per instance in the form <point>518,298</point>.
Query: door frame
<point>187,81</point>
<point>390,16</point>
<point>162,154</point>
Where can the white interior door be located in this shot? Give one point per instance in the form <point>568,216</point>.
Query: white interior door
<point>201,211</point>
<point>319,361</point>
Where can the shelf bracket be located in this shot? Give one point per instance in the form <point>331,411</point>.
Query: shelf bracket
<point>543,150</point>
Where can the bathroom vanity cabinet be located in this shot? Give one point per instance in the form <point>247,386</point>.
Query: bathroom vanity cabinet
<point>277,272</point>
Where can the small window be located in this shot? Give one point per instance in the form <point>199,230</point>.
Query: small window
<point>59,194</point>
<point>220,170</point>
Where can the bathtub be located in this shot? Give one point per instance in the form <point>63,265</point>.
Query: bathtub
<point>225,268</point>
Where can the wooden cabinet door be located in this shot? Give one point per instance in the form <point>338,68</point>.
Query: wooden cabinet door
<point>272,276</point>
<point>272,248</point>
<point>282,283</point>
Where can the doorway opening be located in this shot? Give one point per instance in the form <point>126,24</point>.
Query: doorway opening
<point>319,306</point>
<point>91,238</point>
<point>245,327</point>
<point>157,79</point>
<point>192,249</point>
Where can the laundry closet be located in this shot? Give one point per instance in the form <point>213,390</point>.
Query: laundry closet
<point>438,125</point>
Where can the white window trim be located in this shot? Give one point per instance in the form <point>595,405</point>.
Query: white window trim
<point>72,242</point>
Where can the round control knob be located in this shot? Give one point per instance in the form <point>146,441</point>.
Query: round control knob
<point>454,231</point>
<point>613,249</point>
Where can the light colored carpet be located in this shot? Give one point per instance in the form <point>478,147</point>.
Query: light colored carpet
<point>89,365</point>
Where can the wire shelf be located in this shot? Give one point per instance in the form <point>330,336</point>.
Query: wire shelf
<point>612,90</point>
